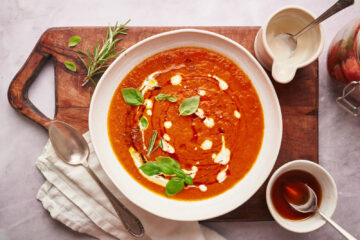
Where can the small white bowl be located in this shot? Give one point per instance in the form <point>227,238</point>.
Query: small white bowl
<point>328,202</point>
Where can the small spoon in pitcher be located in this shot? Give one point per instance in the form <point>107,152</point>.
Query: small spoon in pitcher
<point>72,148</point>
<point>310,205</point>
<point>291,40</point>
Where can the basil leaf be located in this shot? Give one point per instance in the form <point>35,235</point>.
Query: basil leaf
<point>174,186</point>
<point>150,168</point>
<point>188,180</point>
<point>189,106</point>
<point>75,40</point>
<point>132,96</point>
<point>172,99</point>
<point>180,173</point>
<point>162,96</point>
<point>167,165</point>
<point>71,66</point>
<point>144,122</point>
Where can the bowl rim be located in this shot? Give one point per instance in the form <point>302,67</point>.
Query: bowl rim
<point>282,170</point>
<point>277,116</point>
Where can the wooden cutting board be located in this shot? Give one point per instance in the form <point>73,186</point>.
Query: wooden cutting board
<point>298,99</point>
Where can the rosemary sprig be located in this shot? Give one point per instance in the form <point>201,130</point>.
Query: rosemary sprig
<point>152,143</point>
<point>159,145</point>
<point>98,61</point>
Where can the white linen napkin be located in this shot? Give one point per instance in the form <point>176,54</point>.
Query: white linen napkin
<point>75,199</point>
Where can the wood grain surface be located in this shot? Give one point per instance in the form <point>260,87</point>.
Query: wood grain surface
<point>298,99</point>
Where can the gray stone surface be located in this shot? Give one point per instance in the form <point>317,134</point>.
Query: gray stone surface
<point>21,141</point>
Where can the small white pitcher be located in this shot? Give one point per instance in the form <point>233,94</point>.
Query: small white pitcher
<point>273,53</point>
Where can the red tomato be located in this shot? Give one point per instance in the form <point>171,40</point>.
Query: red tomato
<point>351,69</point>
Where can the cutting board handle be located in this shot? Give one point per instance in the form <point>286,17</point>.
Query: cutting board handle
<point>18,89</point>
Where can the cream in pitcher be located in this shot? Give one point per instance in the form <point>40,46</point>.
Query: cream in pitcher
<point>275,55</point>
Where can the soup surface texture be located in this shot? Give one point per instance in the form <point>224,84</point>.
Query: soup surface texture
<point>217,145</point>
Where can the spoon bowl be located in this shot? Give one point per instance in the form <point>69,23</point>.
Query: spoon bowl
<point>289,40</point>
<point>72,148</point>
<point>310,205</point>
<point>68,143</point>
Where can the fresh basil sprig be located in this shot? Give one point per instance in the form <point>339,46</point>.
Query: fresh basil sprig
<point>189,106</point>
<point>168,166</point>
<point>70,65</point>
<point>162,97</point>
<point>132,96</point>
<point>74,40</point>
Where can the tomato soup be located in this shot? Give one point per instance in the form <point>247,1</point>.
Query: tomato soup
<point>215,140</point>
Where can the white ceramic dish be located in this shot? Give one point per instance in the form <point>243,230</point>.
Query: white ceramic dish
<point>289,19</point>
<point>328,202</point>
<point>160,205</point>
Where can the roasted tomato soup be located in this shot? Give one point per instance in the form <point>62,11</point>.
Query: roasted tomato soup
<point>186,123</point>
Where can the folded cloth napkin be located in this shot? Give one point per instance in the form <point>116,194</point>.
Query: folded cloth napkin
<point>75,199</point>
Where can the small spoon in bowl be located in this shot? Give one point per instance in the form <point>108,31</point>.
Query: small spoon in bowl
<point>291,40</point>
<point>310,205</point>
<point>72,148</point>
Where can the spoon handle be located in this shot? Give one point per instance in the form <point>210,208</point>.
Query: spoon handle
<point>339,5</point>
<point>337,227</point>
<point>130,221</point>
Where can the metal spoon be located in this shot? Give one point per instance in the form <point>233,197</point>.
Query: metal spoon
<point>72,148</point>
<point>291,40</point>
<point>311,206</point>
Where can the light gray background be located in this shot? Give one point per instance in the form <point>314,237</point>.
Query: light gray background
<point>23,21</point>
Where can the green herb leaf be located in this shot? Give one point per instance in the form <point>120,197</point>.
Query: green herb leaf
<point>180,173</point>
<point>103,53</point>
<point>144,122</point>
<point>174,186</point>
<point>150,168</point>
<point>160,144</point>
<point>70,65</point>
<point>74,40</point>
<point>162,97</point>
<point>189,106</point>
<point>188,180</point>
<point>167,165</point>
<point>152,142</point>
<point>132,96</point>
